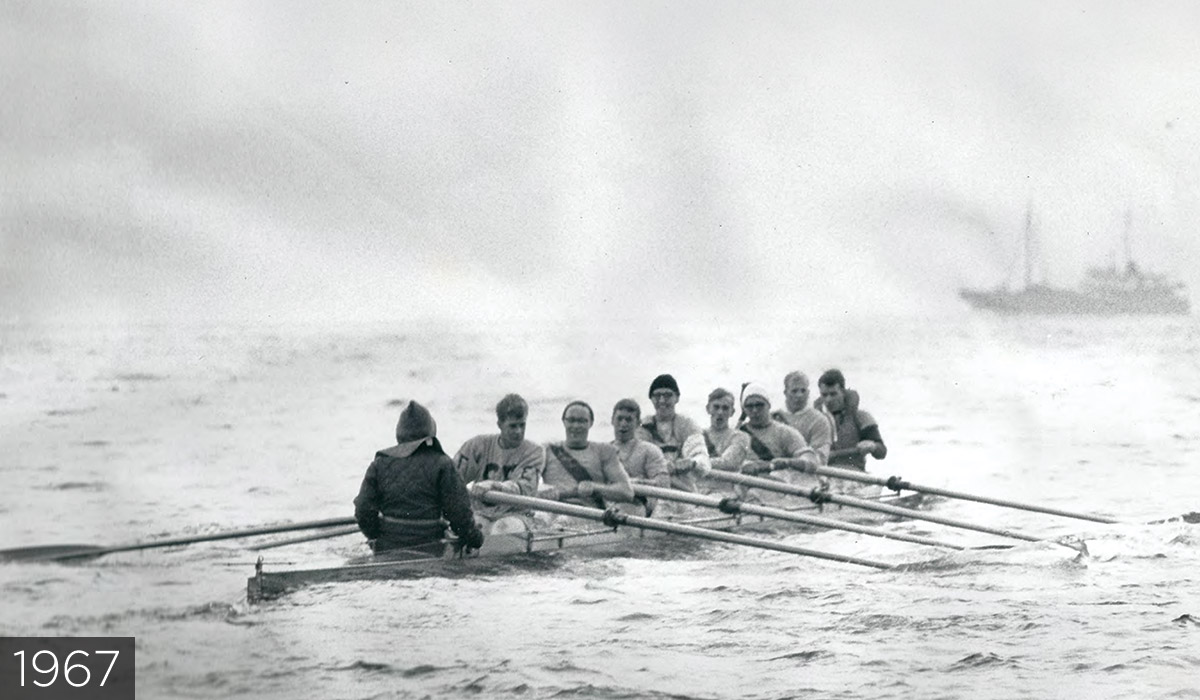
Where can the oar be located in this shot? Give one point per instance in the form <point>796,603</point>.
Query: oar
<point>62,552</point>
<point>897,484</point>
<point>341,532</point>
<point>614,518</point>
<point>733,506</point>
<point>819,496</point>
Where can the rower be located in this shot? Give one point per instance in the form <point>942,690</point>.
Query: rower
<point>643,461</point>
<point>775,448</point>
<point>409,488</point>
<point>581,471</point>
<point>856,434</point>
<point>679,437</point>
<point>728,448</point>
<point>815,425</point>
<point>504,462</point>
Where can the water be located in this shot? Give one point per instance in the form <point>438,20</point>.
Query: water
<point>114,434</point>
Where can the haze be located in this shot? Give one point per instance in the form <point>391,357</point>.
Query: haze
<point>367,161</point>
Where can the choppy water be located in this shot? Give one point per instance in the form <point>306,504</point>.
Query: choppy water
<point>115,434</point>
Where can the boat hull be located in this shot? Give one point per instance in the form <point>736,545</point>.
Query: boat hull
<point>1049,301</point>
<point>265,585</point>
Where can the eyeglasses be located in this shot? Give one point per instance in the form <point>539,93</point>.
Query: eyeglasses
<point>754,405</point>
<point>662,395</point>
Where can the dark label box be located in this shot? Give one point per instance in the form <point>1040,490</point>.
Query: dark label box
<point>67,668</point>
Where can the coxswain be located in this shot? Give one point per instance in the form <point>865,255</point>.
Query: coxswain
<point>409,488</point>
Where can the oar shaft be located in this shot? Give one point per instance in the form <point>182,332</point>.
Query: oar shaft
<point>340,532</point>
<point>780,514</point>
<point>897,484</point>
<point>195,539</point>
<point>815,495</point>
<point>614,517</point>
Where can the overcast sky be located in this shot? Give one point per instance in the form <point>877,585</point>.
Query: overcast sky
<point>365,160</point>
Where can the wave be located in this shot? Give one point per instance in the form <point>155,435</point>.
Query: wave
<point>217,611</point>
<point>388,669</point>
<point>140,377</point>
<point>90,486</point>
<point>808,655</point>
<point>981,659</point>
<point>588,690</point>
<point>59,412</point>
<point>638,617</point>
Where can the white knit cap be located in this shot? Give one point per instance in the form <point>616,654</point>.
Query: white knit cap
<point>755,389</point>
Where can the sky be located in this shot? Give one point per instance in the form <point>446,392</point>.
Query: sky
<point>363,161</point>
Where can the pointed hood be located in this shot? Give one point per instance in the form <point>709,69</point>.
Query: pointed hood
<point>416,427</point>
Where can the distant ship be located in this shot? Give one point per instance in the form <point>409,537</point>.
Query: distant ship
<point>1105,291</point>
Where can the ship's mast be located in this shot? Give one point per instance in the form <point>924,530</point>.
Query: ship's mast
<point>1128,226</point>
<point>1029,245</point>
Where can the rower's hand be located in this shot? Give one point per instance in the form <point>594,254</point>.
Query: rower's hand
<point>866,447</point>
<point>756,466</point>
<point>682,465</point>
<point>585,489</point>
<point>478,488</point>
<point>474,539</point>
<point>782,463</point>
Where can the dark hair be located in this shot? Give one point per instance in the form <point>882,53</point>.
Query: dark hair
<point>512,406</point>
<point>832,377</point>
<point>591,413</point>
<point>628,405</point>
<point>720,393</point>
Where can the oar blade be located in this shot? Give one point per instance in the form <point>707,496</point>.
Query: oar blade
<point>50,552</point>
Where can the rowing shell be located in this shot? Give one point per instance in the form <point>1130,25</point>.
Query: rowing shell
<point>265,585</point>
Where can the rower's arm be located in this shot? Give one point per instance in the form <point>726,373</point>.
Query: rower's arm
<point>734,455</point>
<point>657,473</point>
<point>871,432</point>
<point>454,500</point>
<point>695,449</point>
<point>822,440</point>
<point>617,486</point>
<point>800,456</point>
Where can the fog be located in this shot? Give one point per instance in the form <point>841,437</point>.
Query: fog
<point>360,161</point>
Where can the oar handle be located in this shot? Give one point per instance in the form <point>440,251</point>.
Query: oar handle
<point>897,484</point>
<point>732,505</point>
<point>614,518</point>
<point>818,496</point>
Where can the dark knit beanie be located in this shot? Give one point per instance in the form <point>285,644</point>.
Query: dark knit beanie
<point>664,381</point>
